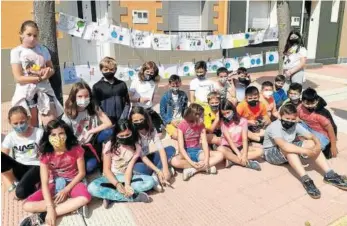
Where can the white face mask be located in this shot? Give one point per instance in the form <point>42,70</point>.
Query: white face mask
<point>223,80</point>
<point>268,93</point>
<point>83,102</point>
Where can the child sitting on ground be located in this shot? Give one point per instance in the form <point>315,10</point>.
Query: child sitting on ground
<point>267,98</point>
<point>279,95</point>
<point>294,93</point>
<point>194,157</point>
<point>172,106</point>
<point>280,147</point>
<point>318,120</point>
<point>235,146</point>
<point>212,118</point>
<point>255,112</point>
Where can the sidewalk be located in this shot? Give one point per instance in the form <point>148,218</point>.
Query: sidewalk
<point>235,196</point>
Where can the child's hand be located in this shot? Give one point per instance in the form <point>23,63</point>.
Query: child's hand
<point>334,151</point>
<point>129,191</point>
<point>175,123</point>
<point>51,216</point>
<point>61,196</point>
<point>144,100</point>
<point>197,165</point>
<point>243,160</point>
<point>162,179</point>
<point>120,188</point>
<point>252,122</point>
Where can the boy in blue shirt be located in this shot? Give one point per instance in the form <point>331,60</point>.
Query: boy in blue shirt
<point>279,95</point>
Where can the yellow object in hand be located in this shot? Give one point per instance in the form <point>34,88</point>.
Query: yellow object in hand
<point>36,67</point>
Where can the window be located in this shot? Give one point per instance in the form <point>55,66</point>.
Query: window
<point>140,17</point>
<point>261,15</point>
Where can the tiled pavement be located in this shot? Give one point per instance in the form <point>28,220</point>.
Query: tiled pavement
<point>235,196</point>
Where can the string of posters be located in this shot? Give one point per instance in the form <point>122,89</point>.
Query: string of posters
<point>143,39</point>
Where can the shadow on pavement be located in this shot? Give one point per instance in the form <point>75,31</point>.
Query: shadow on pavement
<point>340,113</point>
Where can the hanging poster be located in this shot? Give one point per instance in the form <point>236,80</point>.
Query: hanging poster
<point>232,64</point>
<point>141,39</point>
<point>70,76</point>
<point>212,66</point>
<point>271,57</point>
<point>212,42</point>
<point>89,73</point>
<point>71,25</point>
<point>227,42</point>
<point>271,34</point>
<point>186,69</point>
<point>122,73</point>
<point>119,35</point>
<point>161,42</point>
<point>245,62</point>
<point>255,37</point>
<point>256,60</point>
<point>190,44</point>
<point>239,40</point>
<point>92,31</point>
<point>169,69</point>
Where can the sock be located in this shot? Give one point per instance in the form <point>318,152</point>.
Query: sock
<point>43,216</point>
<point>305,178</point>
<point>330,173</point>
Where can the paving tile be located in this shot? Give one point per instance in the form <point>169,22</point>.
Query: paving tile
<point>71,220</point>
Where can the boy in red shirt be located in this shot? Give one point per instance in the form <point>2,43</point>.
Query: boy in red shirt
<point>256,114</point>
<point>318,120</point>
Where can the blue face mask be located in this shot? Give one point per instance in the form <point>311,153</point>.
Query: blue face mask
<point>21,128</point>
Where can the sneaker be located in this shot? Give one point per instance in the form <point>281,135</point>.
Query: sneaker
<point>157,187</point>
<point>337,181</point>
<point>172,171</point>
<point>32,220</point>
<point>228,163</point>
<point>311,189</point>
<point>106,203</point>
<point>252,164</point>
<point>188,173</point>
<point>211,170</point>
<point>83,211</point>
<point>142,197</point>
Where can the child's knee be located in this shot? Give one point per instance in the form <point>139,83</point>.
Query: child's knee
<point>28,206</point>
<point>309,144</point>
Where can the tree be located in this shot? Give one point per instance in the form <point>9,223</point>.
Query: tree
<point>283,21</point>
<point>44,14</point>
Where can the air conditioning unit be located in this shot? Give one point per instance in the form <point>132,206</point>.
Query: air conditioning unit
<point>140,17</point>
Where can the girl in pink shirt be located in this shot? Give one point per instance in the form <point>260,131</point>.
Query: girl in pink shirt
<point>61,157</point>
<point>234,139</point>
<point>194,157</point>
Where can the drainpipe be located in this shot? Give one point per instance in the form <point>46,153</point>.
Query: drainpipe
<point>302,16</point>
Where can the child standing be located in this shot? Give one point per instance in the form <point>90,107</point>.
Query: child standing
<point>89,123</point>
<point>226,89</point>
<point>235,146</point>
<point>32,67</point>
<point>19,154</point>
<point>151,162</point>
<point>241,83</point>
<point>267,98</point>
<point>172,106</point>
<point>318,120</point>
<point>256,114</point>
<point>279,95</point>
<point>142,91</point>
<point>280,147</point>
<point>212,118</point>
<point>192,156</point>
<point>61,165</point>
<point>110,93</point>
<point>119,157</point>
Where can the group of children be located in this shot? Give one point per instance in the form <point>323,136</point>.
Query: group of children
<point>117,131</point>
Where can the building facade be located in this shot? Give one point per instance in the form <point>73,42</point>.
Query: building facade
<point>322,23</point>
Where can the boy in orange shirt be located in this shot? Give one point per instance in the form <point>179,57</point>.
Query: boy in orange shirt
<point>267,90</point>
<point>256,114</point>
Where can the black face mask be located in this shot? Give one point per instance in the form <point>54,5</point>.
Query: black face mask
<point>214,107</point>
<point>294,41</point>
<point>109,75</point>
<point>253,103</point>
<point>244,81</point>
<point>311,109</point>
<point>287,124</point>
<point>126,141</point>
<point>141,125</point>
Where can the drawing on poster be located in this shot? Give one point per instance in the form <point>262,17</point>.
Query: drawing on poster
<point>70,24</point>
<point>212,42</point>
<point>161,42</point>
<point>141,39</point>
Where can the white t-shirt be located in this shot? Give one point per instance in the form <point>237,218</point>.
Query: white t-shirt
<point>293,59</point>
<point>24,149</point>
<point>81,124</point>
<point>202,88</point>
<point>148,142</point>
<point>176,114</point>
<point>143,89</point>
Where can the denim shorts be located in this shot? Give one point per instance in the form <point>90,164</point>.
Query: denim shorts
<point>194,153</point>
<point>33,102</point>
<point>273,155</point>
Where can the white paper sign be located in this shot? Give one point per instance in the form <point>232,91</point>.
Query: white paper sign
<point>91,31</point>
<point>257,60</point>
<point>232,64</point>
<point>71,25</point>
<point>245,62</point>
<point>190,44</point>
<point>212,66</point>
<point>161,42</point>
<point>271,34</point>
<point>89,74</point>
<point>239,40</point>
<point>169,69</point>
<point>186,69</point>
<point>227,42</point>
<point>255,38</point>
<point>212,42</point>
<point>271,57</point>
<point>119,35</point>
<point>141,39</point>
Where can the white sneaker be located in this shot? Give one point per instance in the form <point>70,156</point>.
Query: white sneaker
<point>142,197</point>
<point>157,187</point>
<point>188,173</point>
<point>212,170</point>
<point>172,171</point>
